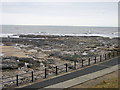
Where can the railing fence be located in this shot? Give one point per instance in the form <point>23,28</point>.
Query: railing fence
<point>35,75</point>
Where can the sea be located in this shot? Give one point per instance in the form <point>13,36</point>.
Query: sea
<point>16,30</point>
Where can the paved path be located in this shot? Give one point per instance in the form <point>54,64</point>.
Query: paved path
<point>78,73</point>
<point>84,78</point>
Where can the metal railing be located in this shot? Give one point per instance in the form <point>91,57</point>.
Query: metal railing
<point>49,72</point>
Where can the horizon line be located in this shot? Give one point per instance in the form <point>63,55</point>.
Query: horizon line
<point>58,25</point>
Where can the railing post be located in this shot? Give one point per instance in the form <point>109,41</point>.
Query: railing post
<point>113,54</point>
<point>82,63</point>
<point>100,58</point>
<point>74,64</point>
<point>89,61</point>
<point>95,59</point>
<point>32,76</point>
<point>66,67</point>
<point>56,70</point>
<point>117,53</point>
<point>105,57</point>
<point>45,73</point>
<point>109,55</point>
<point>17,80</point>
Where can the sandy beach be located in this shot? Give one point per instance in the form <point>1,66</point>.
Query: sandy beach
<point>12,51</point>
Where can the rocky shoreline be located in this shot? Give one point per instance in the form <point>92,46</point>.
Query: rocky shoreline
<point>49,51</point>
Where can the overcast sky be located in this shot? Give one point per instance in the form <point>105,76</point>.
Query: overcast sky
<point>60,13</point>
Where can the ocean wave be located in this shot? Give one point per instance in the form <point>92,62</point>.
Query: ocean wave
<point>111,35</point>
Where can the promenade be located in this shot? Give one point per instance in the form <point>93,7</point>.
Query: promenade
<point>69,79</point>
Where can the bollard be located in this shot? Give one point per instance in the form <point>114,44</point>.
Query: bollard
<point>82,63</point>
<point>56,71</point>
<point>45,73</point>
<point>17,80</point>
<point>100,58</point>
<point>89,61</point>
<point>32,76</point>
<point>95,59</point>
<point>74,64</point>
<point>66,67</point>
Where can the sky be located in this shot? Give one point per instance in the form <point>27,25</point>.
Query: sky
<point>60,13</point>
